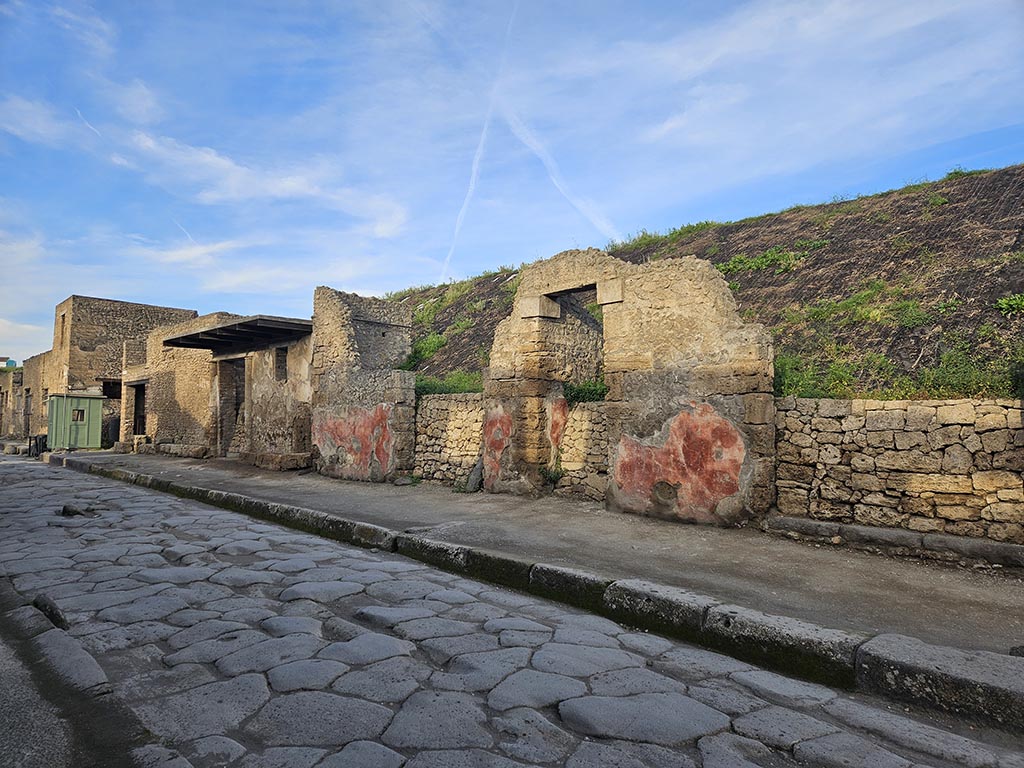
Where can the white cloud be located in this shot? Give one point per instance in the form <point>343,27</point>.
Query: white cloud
<point>34,121</point>
<point>193,254</point>
<point>135,102</point>
<point>214,178</point>
<point>22,340</point>
<point>86,28</point>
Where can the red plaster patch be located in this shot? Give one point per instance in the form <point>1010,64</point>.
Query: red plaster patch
<point>558,415</point>
<point>497,436</point>
<point>361,439</point>
<point>699,463</point>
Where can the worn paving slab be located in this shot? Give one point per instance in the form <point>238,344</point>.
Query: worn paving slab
<point>831,587</point>
<point>413,670</point>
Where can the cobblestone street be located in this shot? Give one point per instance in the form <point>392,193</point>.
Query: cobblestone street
<point>240,643</point>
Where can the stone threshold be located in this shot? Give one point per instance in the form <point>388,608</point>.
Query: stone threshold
<point>981,686</point>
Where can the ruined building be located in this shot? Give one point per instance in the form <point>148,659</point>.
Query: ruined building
<point>688,430</point>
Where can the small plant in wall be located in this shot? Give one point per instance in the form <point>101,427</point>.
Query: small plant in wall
<point>552,475</point>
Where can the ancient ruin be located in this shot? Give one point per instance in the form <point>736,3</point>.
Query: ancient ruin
<point>681,422</point>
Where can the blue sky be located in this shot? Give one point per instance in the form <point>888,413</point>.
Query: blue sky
<point>232,156</point>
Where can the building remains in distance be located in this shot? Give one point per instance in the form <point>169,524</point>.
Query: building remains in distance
<point>689,429</point>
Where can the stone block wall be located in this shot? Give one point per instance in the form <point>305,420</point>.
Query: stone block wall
<point>950,467</point>
<point>278,403</point>
<point>180,392</point>
<point>583,452</point>
<point>12,420</point>
<point>448,436</point>
<point>363,409</point>
<point>41,374</point>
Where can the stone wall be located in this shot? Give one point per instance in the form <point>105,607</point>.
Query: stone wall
<point>949,467</point>
<point>363,408</point>
<point>180,391</point>
<point>12,420</point>
<point>40,376</point>
<point>448,434</point>
<point>689,417</point>
<point>279,402</point>
<point>583,452</point>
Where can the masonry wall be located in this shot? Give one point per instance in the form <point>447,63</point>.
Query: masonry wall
<point>583,452</point>
<point>279,406</point>
<point>40,375</point>
<point>448,434</point>
<point>181,404</point>
<point>951,466</point>
<point>12,422</point>
<point>363,408</point>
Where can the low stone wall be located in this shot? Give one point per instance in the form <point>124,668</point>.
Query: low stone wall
<point>934,467</point>
<point>583,452</point>
<point>449,430</point>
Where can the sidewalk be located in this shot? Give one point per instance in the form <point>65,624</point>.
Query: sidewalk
<point>831,587</point>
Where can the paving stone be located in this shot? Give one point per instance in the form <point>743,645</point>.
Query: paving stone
<point>626,682</point>
<point>622,754</point>
<point>248,615</point>
<point>481,671</point>
<point>279,626</point>
<point>155,756</point>
<point>388,616</point>
<point>444,648</point>
<point>66,657</point>
<point>336,628</point>
<point>642,642</point>
<point>513,638</point>
<point>422,629</point>
<point>284,757</point>
<point>784,690</point>
<point>726,696</point>
<point>144,609</point>
<point>401,589</point>
<point>475,612</point>
<point>727,750</point>
<point>164,682</point>
<point>236,548</point>
<point>321,591</point>
<point>845,750</point>
<point>577,636</point>
<point>696,664</point>
<point>467,758</point>
<point>209,651</point>
<point>119,638</point>
<point>781,728</point>
<point>203,630</point>
<point>657,718</point>
<point>190,617</point>
<point>438,720</point>
<point>913,734</point>
<point>209,710</point>
<point>525,734</point>
<point>453,596</point>
<point>581,660</point>
<point>292,565</point>
<point>305,675</point>
<point>174,574</point>
<point>367,648</point>
<point>517,623</point>
<point>214,752</point>
<point>270,653</point>
<point>245,577</point>
<point>197,593</point>
<point>364,754</point>
<point>389,681</point>
<point>530,688</point>
<point>98,601</point>
<point>318,719</point>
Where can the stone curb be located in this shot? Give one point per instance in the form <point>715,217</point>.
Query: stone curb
<point>68,661</point>
<point>981,686</point>
<point>936,544</point>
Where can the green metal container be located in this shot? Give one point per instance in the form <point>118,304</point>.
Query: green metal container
<point>75,421</point>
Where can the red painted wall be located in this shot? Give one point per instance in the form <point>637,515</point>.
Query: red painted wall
<point>360,438</point>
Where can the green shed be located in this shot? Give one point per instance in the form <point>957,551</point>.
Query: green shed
<point>75,420</point>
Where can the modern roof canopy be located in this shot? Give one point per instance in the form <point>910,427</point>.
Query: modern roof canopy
<point>244,334</point>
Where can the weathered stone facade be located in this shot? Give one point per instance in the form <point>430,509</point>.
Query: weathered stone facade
<point>689,416</point>
<point>178,389</point>
<point>583,452</point>
<point>448,437</point>
<point>363,408</point>
<point>12,419</point>
<point>949,466</point>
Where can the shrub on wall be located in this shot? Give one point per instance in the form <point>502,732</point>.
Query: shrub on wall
<point>454,383</point>
<point>585,392</point>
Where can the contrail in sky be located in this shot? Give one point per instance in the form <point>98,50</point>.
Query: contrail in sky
<point>88,125</point>
<point>474,173</point>
<point>183,230</point>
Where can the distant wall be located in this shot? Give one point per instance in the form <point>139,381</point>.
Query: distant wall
<point>948,467</point>
<point>12,422</point>
<point>448,434</point>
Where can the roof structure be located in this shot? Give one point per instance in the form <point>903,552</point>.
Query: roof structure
<point>244,334</point>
